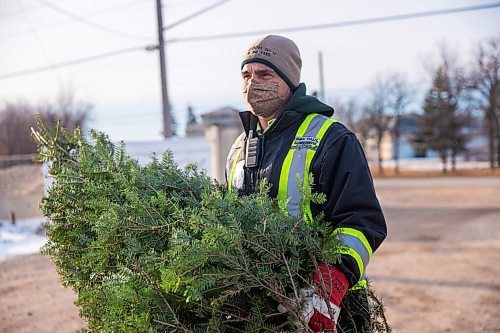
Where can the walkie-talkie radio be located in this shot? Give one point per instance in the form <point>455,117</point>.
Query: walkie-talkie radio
<point>252,150</point>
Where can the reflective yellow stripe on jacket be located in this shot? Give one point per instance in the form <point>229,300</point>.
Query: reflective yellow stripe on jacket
<point>355,244</point>
<point>295,171</point>
<point>296,166</point>
<point>233,159</point>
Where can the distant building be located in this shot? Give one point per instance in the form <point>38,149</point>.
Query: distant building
<point>222,126</point>
<point>194,150</point>
<point>195,130</point>
<point>206,144</point>
<point>388,148</point>
<point>476,146</point>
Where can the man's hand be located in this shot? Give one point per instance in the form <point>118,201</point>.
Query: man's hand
<point>330,284</point>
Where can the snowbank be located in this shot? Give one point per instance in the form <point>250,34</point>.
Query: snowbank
<point>25,237</point>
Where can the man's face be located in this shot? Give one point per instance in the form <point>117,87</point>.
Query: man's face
<point>262,73</point>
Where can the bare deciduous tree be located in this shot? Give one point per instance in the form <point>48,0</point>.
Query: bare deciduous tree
<point>66,109</point>
<point>399,99</point>
<point>353,116</point>
<point>376,111</point>
<point>16,119</point>
<point>389,97</point>
<point>486,82</point>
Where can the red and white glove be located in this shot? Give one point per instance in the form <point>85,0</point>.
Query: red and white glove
<point>315,311</point>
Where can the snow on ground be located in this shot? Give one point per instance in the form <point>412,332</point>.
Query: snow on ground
<point>429,164</point>
<point>25,237</point>
<point>186,151</point>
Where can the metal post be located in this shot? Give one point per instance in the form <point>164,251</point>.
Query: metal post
<point>321,81</point>
<point>167,128</point>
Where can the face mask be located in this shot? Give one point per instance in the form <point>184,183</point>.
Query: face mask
<point>263,98</point>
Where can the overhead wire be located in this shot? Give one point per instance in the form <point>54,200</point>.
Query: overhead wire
<point>242,34</point>
<point>36,7</point>
<point>83,20</point>
<point>341,24</point>
<point>70,19</point>
<point>35,34</point>
<point>113,9</point>
<point>71,62</point>
<point>195,14</point>
<point>20,12</point>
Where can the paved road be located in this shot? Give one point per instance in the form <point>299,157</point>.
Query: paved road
<point>440,259</point>
<point>437,182</point>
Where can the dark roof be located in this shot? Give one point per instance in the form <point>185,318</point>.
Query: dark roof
<point>224,116</point>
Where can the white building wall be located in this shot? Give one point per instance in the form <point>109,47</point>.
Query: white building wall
<point>191,150</point>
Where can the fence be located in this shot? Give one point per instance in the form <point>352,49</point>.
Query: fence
<point>21,187</point>
<point>13,160</point>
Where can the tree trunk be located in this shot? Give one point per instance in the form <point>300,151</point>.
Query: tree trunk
<point>497,141</point>
<point>444,160</point>
<point>397,139</point>
<point>490,123</point>
<point>379,151</point>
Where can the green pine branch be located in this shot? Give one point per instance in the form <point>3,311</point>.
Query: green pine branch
<point>158,248</point>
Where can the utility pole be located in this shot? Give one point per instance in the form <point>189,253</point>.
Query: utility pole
<point>167,118</point>
<point>321,81</point>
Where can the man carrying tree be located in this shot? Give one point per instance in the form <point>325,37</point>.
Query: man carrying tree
<point>288,138</point>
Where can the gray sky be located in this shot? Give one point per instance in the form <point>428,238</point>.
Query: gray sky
<point>125,89</point>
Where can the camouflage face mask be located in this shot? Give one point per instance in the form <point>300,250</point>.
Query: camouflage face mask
<point>263,97</point>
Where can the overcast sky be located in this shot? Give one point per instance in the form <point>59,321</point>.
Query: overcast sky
<point>125,89</point>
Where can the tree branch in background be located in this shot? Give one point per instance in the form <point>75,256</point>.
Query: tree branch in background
<point>16,119</point>
<point>485,83</point>
<point>445,110</point>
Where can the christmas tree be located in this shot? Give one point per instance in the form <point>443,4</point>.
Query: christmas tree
<point>158,248</point>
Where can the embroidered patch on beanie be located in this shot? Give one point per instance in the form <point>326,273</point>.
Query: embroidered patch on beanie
<point>279,53</point>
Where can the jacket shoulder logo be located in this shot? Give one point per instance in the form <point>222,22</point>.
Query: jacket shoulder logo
<point>305,142</point>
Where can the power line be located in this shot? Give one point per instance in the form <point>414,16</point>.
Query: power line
<point>184,3</point>
<point>28,9</point>
<point>113,9</point>
<point>339,24</point>
<point>119,7</point>
<point>91,23</point>
<point>241,34</point>
<point>70,19</point>
<point>187,18</point>
<point>36,7</point>
<point>58,78</point>
<point>71,62</point>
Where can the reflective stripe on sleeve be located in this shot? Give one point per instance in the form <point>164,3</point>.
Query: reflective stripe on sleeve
<point>355,244</point>
<point>360,285</point>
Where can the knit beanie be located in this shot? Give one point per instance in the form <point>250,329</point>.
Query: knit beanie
<point>279,53</point>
